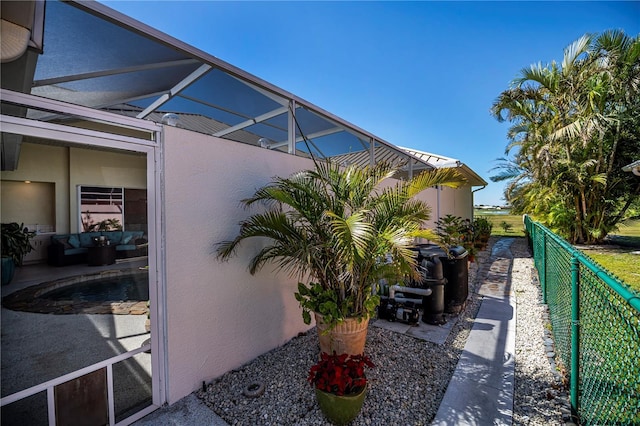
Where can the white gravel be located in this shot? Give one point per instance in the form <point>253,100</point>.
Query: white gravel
<point>411,375</point>
<point>540,398</point>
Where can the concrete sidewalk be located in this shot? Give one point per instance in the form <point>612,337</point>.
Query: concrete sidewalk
<point>189,411</point>
<point>481,389</point>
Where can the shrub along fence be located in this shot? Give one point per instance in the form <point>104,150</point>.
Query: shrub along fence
<point>596,328</point>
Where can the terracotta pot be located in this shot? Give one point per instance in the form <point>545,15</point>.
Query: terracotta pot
<point>348,337</point>
<point>340,410</point>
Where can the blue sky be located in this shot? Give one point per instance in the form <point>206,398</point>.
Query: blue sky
<point>417,74</point>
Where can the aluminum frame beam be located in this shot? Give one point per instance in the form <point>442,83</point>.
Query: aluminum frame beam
<point>252,121</point>
<point>186,82</point>
<point>311,136</point>
<point>114,71</point>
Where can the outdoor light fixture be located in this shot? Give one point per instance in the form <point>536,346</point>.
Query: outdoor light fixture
<point>170,119</point>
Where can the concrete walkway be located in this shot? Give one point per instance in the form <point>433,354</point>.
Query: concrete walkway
<point>189,411</point>
<point>481,389</point>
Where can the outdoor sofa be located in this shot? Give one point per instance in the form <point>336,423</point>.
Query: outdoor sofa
<point>71,249</point>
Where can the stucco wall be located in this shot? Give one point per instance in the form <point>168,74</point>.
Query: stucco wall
<point>219,316</point>
<point>457,202</point>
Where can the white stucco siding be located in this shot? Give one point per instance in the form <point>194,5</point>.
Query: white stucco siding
<point>457,202</point>
<point>219,316</point>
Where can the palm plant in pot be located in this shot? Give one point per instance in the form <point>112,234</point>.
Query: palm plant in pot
<point>332,228</point>
<point>340,384</point>
<point>16,242</point>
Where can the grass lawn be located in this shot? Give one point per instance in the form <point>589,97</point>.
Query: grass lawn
<point>516,228</point>
<point>616,257</point>
<point>625,265</point>
<point>620,259</point>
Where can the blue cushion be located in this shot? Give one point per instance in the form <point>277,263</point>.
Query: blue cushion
<point>124,247</point>
<point>86,238</point>
<point>74,241</point>
<point>114,236</point>
<point>126,237</point>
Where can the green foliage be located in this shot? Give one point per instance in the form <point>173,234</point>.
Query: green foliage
<point>506,226</point>
<point>315,298</point>
<point>451,231</point>
<point>455,231</point>
<point>482,228</point>
<point>517,227</point>
<point>16,241</point>
<point>575,125</point>
<point>111,224</point>
<point>336,227</point>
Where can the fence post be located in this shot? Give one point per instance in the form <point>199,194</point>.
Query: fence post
<point>575,331</point>
<point>543,273</point>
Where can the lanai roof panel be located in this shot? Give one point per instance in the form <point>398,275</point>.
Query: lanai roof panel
<point>97,57</point>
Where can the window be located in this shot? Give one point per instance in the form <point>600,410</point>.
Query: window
<point>101,208</point>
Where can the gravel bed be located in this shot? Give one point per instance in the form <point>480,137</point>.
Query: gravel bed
<point>540,398</point>
<point>411,376</point>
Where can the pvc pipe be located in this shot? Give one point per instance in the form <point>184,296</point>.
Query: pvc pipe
<point>406,299</point>
<point>403,289</point>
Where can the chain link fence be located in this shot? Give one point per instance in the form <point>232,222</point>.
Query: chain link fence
<point>596,327</point>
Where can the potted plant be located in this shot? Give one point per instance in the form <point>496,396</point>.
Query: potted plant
<point>482,227</point>
<point>340,384</point>
<point>450,231</point>
<point>333,227</point>
<point>454,231</point>
<point>16,242</point>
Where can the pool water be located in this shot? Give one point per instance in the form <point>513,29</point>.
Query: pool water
<point>122,288</point>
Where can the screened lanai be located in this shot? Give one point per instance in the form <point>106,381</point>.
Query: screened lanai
<point>87,54</point>
<point>84,91</point>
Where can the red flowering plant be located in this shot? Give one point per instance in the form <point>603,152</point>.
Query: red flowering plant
<point>340,374</point>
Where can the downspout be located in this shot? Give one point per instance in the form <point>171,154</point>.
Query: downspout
<point>473,199</point>
<point>438,188</point>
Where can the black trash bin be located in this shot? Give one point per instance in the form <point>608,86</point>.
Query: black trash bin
<point>456,271</point>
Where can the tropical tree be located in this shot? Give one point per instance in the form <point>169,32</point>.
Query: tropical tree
<point>342,229</point>
<point>574,126</point>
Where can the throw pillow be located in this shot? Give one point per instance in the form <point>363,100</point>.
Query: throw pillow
<point>64,242</point>
<point>126,239</point>
<point>114,237</point>
<point>74,241</point>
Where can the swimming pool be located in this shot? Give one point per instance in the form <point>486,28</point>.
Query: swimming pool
<point>124,288</point>
<point>107,292</point>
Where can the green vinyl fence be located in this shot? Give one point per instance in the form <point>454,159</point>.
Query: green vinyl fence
<point>596,327</point>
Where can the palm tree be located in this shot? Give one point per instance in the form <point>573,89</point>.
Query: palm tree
<point>574,126</point>
<point>342,229</point>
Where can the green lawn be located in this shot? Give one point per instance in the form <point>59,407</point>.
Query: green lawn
<point>625,265</point>
<point>621,261</point>
<point>516,229</point>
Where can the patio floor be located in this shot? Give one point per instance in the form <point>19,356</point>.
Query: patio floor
<point>37,347</point>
